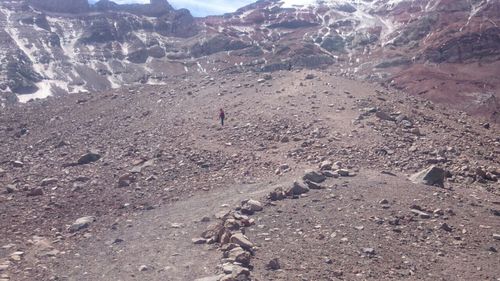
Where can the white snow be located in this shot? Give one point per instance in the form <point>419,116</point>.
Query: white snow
<point>200,68</point>
<point>295,3</point>
<point>44,90</point>
<point>474,10</point>
<point>22,43</point>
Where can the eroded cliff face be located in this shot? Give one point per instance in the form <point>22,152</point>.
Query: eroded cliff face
<point>445,50</point>
<point>61,6</point>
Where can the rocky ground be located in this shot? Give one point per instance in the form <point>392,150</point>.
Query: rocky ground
<point>115,185</point>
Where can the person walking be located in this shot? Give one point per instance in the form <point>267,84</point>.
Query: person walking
<point>222,116</point>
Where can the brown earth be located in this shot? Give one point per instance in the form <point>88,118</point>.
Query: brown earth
<point>176,165</point>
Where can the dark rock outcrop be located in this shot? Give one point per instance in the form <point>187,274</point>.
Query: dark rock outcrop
<point>470,46</point>
<point>155,8</point>
<point>293,24</point>
<point>333,43</point>
<point>62,6</point>
<point>217,44</point>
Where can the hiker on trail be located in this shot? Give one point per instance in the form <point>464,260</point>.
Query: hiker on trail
<point>222,115</point>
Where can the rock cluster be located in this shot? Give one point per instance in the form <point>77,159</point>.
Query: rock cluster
<point>311,179</point>
<point>229,233</point>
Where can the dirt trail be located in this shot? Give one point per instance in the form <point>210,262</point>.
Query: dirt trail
<point>159,239</point>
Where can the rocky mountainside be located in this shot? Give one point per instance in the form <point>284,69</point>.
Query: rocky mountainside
<point>446,51</point>
<point>115,185</point>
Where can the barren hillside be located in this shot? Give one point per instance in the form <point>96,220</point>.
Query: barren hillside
<point>123,184</point>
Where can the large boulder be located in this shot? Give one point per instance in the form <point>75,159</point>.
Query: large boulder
<point>296,189</point>
<point>242,241</point>
<point>314,176</point>
<point>239,255</point>
<point>431,176</point>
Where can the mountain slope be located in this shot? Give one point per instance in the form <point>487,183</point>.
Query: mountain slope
<point>165,164</point>
<point>446,51</point>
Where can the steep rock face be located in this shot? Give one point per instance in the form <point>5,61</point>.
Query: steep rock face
<point>155,8</point>
<point>217,44</point>
<point>477,46</point>
<point>178,24</point>
<point>62,6</point>
<point>44,53</point>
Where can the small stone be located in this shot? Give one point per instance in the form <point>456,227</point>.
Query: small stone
<point>10,188</point>
<point>421,214</point>
<point>222,214</point>
<point>51,253</point>
<point>284,168</point>
<point>254,205</point>
<point>126,179</point>
<point>446,227</point>
<point>415,131</point>
<point>276,195</point>
<point>368,251</point>
<point>81,223</point>
<point>273,264</point>
<point>325,165</point>
<point>496,236</point>
<point>89,158</point>
<point>116,241</point>
<point>239,273</point>
<point>48,181</point>
<point>438,212</point>
<point>337,273</point>
<point>8,246</point>
<point>35,192</point>
<point>330,174</point>
<point>17,164</point>
<point>313,185</point>
<point>199,241</point>
<point>343,172</point>
<point>143,268</point>
<point>384,116</point>
<point>239,255</point>
<point>210,278</point>
<point>16,256</point>
<point>227,268</point>
<point>384,202</point>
